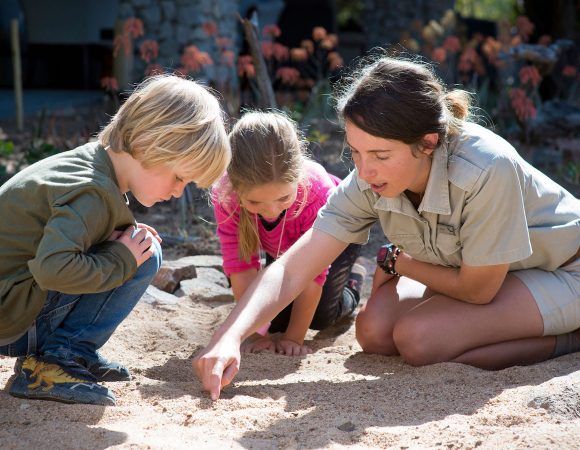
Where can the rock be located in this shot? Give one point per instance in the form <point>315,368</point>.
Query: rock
<point>156,296</point>
<point>556,119</point>
<point>213,261</point>
<point>347,426</point>
<point>172,272</point>
<point>213,275</point>
<point>204,291</point>
<point>565,403</point>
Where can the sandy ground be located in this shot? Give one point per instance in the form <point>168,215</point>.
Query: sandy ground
<point>335,398</point>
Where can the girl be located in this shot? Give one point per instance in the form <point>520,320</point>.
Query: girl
<point>270,196</point>
<point>484,266</point>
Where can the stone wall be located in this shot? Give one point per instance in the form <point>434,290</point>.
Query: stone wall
<point>386,20</point>
<point>176,24</point>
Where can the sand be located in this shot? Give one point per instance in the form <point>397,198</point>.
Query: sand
<point>336,397</point>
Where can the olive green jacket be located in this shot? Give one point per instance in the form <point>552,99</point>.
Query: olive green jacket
<point>56,216</point>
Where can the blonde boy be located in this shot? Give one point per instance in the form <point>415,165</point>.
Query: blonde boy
<point>73,261</point>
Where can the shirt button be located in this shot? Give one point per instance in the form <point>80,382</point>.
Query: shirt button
<point>458,243</point>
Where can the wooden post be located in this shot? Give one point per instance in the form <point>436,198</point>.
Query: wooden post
<point>17,66</point>
<point>267,98</point>
<point>123,62</point>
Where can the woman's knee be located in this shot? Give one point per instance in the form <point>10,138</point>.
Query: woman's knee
<point>414,339</point>
<point>374,334</point>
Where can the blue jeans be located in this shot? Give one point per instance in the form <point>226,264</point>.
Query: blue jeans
<point>76,325</point>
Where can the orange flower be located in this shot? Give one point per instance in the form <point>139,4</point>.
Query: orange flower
<point>545,40</point>
<point>334,61</point>
<point>210,28</point>
<point>525,27</point>
<point>298,54</point>
<point>452,44</point>
<point>329,42</point>
<point>439,54</point>
<point>529,74</point>
<point>228,57</point>
<point>154,69</point>
<point>491,48</point>
<point>281,52</point>
<point>271,30</point>
<point>569,71</point>
<point>318,33</point>
<point>267,49</point>
<point>149,50</point>
<point>133,27</point>
<point>467,60</point>
<point>110,84</point>
<point>246,66</point>
<point>181,72</point>
<point>308,45</point>
<point>223,42</point>
<point>288,75</point>
<point>193,59</point>
<point>522,105</point>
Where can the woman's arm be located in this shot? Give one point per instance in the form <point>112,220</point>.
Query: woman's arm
<point>274,288</point>
<point>470,284</point>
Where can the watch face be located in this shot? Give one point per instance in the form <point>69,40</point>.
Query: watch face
<point>382,255</point>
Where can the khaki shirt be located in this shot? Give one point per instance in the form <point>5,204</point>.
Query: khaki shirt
<point>483,205</point>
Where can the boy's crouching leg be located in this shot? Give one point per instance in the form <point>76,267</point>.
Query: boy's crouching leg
<point>94,319</point>
<point>47,378</point>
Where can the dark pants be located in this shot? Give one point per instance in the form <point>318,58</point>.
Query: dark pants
<point>337,299</point>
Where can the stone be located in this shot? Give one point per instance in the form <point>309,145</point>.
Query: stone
<point>156,296</point>
<point>204,291</point>
<point>213,275</point>
<point>172,272</point>
<point>213,261</point>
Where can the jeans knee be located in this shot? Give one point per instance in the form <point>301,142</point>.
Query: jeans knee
<point>150,267</point>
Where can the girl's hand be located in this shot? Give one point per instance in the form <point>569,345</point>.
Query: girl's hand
<point>290,348</point>
<point>257,344</point>
<point>151,230</point>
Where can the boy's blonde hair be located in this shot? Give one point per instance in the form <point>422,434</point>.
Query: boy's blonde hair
<point>172,120</point>
<point>266,148</point>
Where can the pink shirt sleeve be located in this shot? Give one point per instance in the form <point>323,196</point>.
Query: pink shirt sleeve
<point>227,218</point>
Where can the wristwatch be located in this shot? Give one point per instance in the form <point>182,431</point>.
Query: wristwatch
<point>386,258</point>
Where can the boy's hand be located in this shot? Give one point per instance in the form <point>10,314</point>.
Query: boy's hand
<point>151,230</point>
<point>138,242</point>
<point>290,348</point>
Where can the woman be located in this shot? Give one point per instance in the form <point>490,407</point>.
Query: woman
<point>485,267</point>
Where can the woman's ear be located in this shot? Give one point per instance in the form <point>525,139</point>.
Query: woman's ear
<point>429,143</point>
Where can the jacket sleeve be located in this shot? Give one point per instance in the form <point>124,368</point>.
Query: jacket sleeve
<point>73,255</point>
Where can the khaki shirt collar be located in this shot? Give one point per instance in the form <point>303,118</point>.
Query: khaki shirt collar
<point>436,199</point>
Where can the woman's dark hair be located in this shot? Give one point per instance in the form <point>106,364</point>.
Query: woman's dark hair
<point>400,99</point>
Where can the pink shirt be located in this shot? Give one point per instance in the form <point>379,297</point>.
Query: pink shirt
<point>319,186</point>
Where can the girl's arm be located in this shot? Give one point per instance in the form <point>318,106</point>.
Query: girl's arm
<point>274,289</point>
<point>303,310</point>
<point>241,280</point>
<point>258,341</point>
